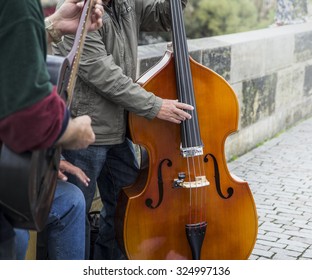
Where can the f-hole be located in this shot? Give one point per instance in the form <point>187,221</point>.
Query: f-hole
<point>230,190</point>
<point>149,201</point>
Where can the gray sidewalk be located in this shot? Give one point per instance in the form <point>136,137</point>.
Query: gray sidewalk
<point>279,174</point>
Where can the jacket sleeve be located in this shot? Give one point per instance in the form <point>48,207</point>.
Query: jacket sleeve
<point>155,15</point>
<point>98,71</point>
<point>35,127</point>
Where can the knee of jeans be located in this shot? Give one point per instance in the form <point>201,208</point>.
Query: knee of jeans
<point>76,198</point>
<point>80,201</point>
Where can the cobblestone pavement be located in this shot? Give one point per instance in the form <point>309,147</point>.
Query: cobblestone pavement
<point>279,174</point>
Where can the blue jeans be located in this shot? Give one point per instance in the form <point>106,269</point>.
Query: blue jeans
<point>65,229</point>
<point>7,239</point>
<point>111,167</point>
<point>66,224</point>
<point>21,243</point>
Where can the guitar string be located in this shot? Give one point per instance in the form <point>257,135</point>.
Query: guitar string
<point>76,50</point>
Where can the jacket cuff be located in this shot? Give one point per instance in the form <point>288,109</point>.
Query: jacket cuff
<point>155,109</point>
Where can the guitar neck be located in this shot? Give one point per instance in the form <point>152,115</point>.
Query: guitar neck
<point>68,76</point>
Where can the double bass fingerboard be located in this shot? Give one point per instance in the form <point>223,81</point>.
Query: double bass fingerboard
<point>191,143</point>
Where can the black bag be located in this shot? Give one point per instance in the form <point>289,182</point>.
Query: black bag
<point>94,221</point>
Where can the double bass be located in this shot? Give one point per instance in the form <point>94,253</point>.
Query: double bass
<point>186,204</point>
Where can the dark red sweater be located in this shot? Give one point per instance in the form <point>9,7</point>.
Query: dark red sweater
<point>35,127</point>
<point>31,117</point>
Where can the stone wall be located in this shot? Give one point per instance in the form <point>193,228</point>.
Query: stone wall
<point>270,70</point>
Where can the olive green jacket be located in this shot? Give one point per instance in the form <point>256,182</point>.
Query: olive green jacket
<point>105,89</point>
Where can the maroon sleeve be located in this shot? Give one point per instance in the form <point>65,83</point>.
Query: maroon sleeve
<point>35,127</point>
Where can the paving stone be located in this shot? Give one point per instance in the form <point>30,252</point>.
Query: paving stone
<point>279,174</point>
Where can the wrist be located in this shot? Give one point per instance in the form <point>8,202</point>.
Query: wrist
<point>54,33</point>
<point>68,136</point>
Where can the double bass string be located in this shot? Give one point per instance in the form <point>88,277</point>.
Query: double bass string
<point>190,128</point>
<point>180,89</point>
<point>185,86</point>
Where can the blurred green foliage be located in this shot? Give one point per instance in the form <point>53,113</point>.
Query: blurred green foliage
<point>205,18</point>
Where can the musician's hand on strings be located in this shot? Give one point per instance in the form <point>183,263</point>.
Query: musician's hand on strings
<point>66,19</point>
<point>174,111</point>
<point>67,167</point>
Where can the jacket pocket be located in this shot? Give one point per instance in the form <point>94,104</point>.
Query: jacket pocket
<point>83,100</point>
<point>126,10</point>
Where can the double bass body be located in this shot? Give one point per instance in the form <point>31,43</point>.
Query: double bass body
<point>154,213</point>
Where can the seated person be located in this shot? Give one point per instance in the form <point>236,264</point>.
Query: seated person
<point>65,227</point>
